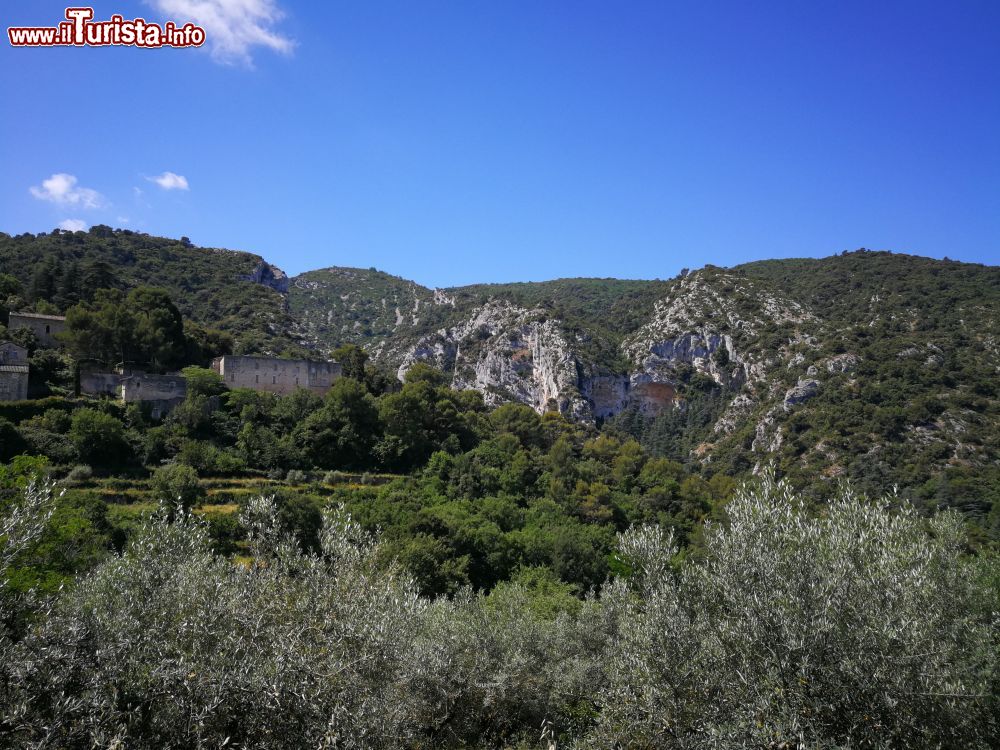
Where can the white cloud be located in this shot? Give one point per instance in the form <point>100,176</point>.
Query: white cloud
<point>123,220</point>
<point>62,188</point>
<point>73,225</point>
<point>168,181</point>
<point>232,27</point>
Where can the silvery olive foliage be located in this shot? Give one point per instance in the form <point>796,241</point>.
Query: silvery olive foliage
<point>170,645</point>
<point>21,524</point>
<point>864,626</point>
<point>24,521</point>
<point>488,671</point>
<point>858,628</point>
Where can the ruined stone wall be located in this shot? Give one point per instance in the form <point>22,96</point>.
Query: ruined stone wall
<point>46,327</point>
<point>276,375</point>
<point>146,387</point>
<point>100,383</point>
<point>12,354</point>
<point>13,382</point>
<point>160,393</point>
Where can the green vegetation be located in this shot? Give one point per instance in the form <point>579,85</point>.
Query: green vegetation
<point>56,271</point>
<point>855,629</point>
<point>606,581</point>
<point>340,306</point>
<point>485,496</point>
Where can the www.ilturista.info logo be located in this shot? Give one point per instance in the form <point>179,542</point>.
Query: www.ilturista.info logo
<point>80,30</point>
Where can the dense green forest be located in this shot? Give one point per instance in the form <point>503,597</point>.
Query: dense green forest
<point>465,496</point>
<point>211,287</point>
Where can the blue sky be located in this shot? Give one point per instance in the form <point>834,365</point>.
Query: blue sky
<point>455,142</point>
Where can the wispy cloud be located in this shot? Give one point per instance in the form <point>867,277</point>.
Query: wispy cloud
<point>73,225</point>
<point>61,188</point>
<point>232,27</point>
<point>168,181</point>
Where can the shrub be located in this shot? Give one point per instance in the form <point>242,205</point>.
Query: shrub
<point>18,411</point>
<point>47,442</point>
<point>11,442</point>
<point>99,438</point>
<point>296,476</point>
<point>274,655</point>
<point>80,473</point>
<point>177,484</point>
<point>207,459</point>
<point>855,629</point>
<point>23,470</point>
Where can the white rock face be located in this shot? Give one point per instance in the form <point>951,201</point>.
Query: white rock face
<point>738,411</point>
<point>509,353</point>
<point>804,390</point>
<point>767,434</point>
<point>270,276</point>
<point>843,363</point>
<point>698,326</point>
<point>442,298</point>
<point>703,316</point>
<point>512,353</point>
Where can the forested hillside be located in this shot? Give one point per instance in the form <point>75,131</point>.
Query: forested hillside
<point>870,366</point>
<point>211,286</point>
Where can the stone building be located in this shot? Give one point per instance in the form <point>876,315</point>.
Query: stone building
<point>46,327</point>
<point>161,392</point>
<point>276,375</point>
<point>13,372</point>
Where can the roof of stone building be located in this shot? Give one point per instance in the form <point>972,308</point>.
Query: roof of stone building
<point>38,315</point>
<point>270,358</point>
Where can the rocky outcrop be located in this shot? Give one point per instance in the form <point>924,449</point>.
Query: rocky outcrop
<point>267,275</point>
<point>767,437</point>
<point>802,391</point>
<point>608,395</point>
<point>843,363</point>
<point>700,323</point>
<point>509,353</point>
<point>708,324</point>
<point>738,410</point>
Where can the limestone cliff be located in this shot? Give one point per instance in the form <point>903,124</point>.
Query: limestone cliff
<point>709,324</point>
<point>509,353</point>
<point>270,276</point>
<point>743,364</point>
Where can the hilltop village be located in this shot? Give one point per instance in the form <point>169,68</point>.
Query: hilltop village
<point>160,391</point>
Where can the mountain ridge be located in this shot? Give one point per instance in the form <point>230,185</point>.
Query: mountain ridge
<point>876,366</point>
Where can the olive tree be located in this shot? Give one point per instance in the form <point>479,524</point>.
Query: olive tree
<point>857,628</point>
<point>22,523</point>
<point>170,645</point>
